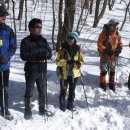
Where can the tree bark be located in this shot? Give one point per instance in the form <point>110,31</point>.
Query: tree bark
<point>111,4</point>
<point>86,6</point>
<point>68,18</point>
<point>91,7</point>
<point>21,9</point>
<point>26,20</point>
<point>97,15</point>
<point>2,3</point>
<point>59,36</point>
<point>125,16</point>
<point>81,14</point>
<point>54,21</point>
<point>14,16</point>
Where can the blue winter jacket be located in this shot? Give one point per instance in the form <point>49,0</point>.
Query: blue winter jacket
<point>7,44</point>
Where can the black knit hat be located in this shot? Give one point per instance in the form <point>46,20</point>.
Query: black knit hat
<point>33,22</point>
<point>3,11</point>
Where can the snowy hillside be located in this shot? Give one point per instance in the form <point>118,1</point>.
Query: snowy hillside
<point>107,111</point>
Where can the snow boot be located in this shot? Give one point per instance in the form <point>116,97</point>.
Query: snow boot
<point>41,101</point>
<point>42,110</point>
<point>7,115</point>
<point>70,105</point>
<point>112,83</point>
<point>27,112</point>
<point>62,102</point>
<point>103,82</point>
<point>112,87</point>
<point>103,86</point>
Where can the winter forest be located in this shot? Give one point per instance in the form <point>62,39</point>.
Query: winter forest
<point>86,44</point>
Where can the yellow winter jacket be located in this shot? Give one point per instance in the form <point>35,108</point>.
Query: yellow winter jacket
<point>61,61</point>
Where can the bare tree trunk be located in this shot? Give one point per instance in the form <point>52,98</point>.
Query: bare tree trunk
<point>121,1</point>
<point>54,21</point>
<point>91,7</point>
<point>111,4</point>
<point>125,16</point>
<point>26,20</point>
<point>14,16</point>
<point>7,1</point>
<point>59,36</point>
<point>80,18</point>
<point>86,4</point>
<point>33,2</point>
<point>2,3</point>
<point>21,9</point>
<point>97,15</point>
<point>68,18</point>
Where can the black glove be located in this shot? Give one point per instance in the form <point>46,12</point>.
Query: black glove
<point>43,53</point>
<point>117,52</point>
<point>107,51</point>
<point>69,62</point>
<point>3,59</point>
<point>78,63</point>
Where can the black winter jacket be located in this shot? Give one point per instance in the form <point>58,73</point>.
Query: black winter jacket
<point>28,52</point>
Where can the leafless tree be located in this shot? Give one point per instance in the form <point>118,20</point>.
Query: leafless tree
<point>82,11</point>
<point>54,22</point>
<point>98,15</point>
<point>21,5</point>
<point>69,14</point>
<point>13,2</point>
<point>59,36</point>
<point>91,6</point>
<point>26,20</point>
<point>111,4</point>
<point>126,11</point>
<point>2,2</point>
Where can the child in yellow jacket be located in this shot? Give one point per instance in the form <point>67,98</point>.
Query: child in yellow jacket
<point>69,60</point>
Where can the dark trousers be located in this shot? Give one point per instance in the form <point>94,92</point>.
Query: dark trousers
<point>71,82</point>
<point>41,81</point>
<point>4,83</point>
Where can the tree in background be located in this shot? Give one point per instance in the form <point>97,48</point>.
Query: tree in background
<point>2,2</point>
<point>20,9</point>
<point>111,4</point>
<point>67,25</point>
<point>126,11</point>
<point>98,15</point>
<point>69,14</point>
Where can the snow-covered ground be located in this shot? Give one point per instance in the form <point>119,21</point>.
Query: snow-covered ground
<point>107,111</point>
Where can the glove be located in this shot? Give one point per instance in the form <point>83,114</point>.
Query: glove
<point>3,59</point>
<point>69,62</point>
<point>107,51</point>
<point>117,52</point>
<point>43,53</point>
<point>78,63</point>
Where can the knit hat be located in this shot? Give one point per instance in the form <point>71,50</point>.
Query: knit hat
<point>113,21</point>
<point>74,34</point>
<point>3,11</point>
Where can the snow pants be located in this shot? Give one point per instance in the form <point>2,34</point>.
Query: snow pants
<point>72,85</point>
<point>107,65</point>
<point>4,83</point>
<point>41,81</point>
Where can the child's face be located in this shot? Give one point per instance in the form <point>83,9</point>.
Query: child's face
<point>114,27</point>
<point>2,19</point>
<point>70,40</point>
<point>37,29</point>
